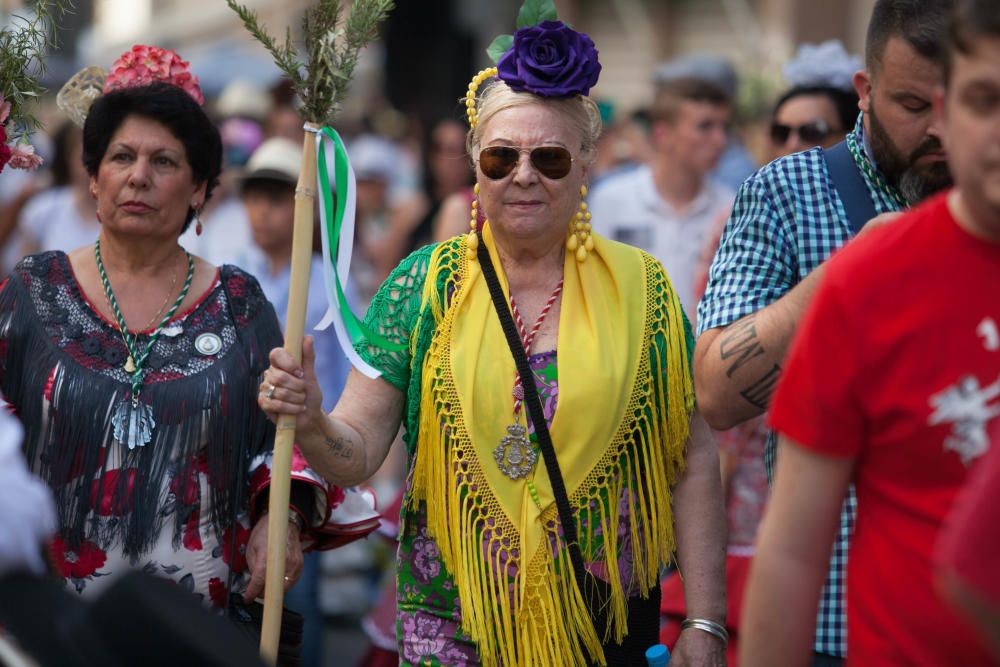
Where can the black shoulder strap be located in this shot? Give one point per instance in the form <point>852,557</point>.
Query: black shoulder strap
<point>534,405</point>
<point>850,184</point>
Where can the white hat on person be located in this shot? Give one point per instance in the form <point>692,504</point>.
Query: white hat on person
<point>374,158</point>
<point>245,99</point>
<point>277,159</point>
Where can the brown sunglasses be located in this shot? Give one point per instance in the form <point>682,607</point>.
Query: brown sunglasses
<point>498,162</point>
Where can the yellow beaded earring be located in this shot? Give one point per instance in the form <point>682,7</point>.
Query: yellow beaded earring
<point>471,239</point>
<point>580,241</point>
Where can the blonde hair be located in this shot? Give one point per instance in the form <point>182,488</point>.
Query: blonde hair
<point>581,114</point>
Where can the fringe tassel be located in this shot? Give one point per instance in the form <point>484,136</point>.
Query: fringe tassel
<point>66,411</point>
<point>526,609</point>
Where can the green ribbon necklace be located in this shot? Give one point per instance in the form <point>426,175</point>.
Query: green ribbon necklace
<point>873,176</point>
<point>133,421</point>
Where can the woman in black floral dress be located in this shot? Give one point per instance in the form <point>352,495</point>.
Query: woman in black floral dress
<point>134,366</point>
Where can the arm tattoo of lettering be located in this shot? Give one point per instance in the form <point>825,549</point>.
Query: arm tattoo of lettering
<point>740,344</point>
<point>759,393</point>
<point>340,447</point>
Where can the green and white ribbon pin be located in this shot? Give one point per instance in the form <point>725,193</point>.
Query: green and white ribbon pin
<point>334,174</point>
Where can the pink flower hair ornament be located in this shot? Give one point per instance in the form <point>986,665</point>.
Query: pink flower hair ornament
<point>143,65</point>
<point>139,66</point>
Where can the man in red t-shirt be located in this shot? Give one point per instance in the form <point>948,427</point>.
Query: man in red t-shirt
<point>892,383</point>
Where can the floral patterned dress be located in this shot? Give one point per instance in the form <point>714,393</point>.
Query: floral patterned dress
<point>182,505</point>
<point>429,613</point>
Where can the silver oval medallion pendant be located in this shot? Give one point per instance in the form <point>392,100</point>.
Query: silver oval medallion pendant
<point>208,344</point>
<point>514,455</point>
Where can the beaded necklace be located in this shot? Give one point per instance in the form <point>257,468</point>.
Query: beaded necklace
<point>515,456</point>
<point>874,177</point>
<point>133,420</point>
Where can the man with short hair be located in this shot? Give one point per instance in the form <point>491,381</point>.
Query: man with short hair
<point>893,382</point>
<point>668,207</point>
<point>790,216</point>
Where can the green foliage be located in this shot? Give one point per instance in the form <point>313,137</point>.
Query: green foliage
<point>22,51</point>
<point>499,46</point>
<point>534,12</point>
<point>331,51</point>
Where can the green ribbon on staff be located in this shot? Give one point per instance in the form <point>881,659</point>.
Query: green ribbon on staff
<point>337,223</point>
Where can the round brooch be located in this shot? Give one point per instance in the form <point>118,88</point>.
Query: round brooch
<point>208,344</point>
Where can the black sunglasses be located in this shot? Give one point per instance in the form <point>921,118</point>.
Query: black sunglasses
<point>553,162</point>
<point>814,132</point>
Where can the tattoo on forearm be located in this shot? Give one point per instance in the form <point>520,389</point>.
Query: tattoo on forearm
<point>740,343</point>
<point>759,393</point>
<point>340,447</point>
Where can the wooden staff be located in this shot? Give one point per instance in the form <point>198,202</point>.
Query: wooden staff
<point>284,440</point>
<point>321,81</point>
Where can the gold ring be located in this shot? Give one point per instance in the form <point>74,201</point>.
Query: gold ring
<point>270,391</point>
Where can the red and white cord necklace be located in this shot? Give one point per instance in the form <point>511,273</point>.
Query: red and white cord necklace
<point>528,337</point>
<point>515,455</point>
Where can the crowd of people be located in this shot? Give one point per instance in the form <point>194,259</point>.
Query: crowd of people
<point>636,385</point>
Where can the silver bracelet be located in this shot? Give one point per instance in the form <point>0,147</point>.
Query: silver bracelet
<point>705,625</point>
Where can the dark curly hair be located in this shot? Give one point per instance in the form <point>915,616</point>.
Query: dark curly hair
<point>171,107</point>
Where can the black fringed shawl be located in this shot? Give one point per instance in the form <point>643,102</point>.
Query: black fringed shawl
<point>61,366</point>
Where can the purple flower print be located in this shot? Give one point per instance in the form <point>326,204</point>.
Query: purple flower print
<point>425,638</point>
<point>426,558</point>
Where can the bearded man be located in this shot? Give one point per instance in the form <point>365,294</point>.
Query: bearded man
<point>788,219</point>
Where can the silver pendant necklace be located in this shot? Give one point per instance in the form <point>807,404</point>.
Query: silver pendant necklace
<point>515,455</point>
<point>133,419</point>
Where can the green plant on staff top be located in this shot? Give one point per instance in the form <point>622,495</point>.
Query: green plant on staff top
<point>22,49</point>
<point>332,50</point>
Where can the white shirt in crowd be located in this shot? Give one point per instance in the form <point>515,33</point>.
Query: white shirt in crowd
<point>29,515</point>
<point>52,221</point>
<point>628,208</point>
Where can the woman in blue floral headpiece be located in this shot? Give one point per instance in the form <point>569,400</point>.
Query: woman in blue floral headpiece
<point>485,574</point>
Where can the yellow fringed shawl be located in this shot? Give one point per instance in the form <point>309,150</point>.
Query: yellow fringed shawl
<point>621,423</point>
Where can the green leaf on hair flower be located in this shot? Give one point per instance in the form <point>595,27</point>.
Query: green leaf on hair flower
<point>499,46</point>
<point>534,12</point>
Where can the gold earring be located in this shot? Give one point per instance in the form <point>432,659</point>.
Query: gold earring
<point>472,239</point>
<point>580,241</point>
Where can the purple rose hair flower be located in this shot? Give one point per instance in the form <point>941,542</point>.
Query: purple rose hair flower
<point>550,60</point>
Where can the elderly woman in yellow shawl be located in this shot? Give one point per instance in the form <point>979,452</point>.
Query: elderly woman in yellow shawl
<point>486,574</point>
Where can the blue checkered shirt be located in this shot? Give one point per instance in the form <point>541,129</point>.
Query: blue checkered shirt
<point>787,220</point>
